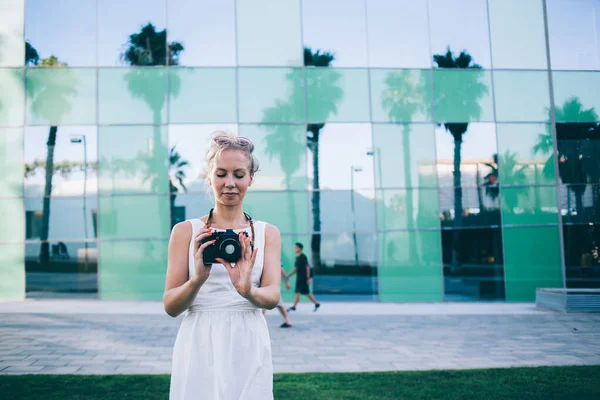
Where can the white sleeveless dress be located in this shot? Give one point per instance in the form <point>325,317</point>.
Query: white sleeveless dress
<point>223,348</point>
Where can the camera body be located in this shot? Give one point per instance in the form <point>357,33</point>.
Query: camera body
<point>227,247</point>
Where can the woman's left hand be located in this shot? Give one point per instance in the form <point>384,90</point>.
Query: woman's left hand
<point>241,274</point>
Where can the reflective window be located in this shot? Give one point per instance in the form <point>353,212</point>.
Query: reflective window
<point>132,95</point>
<point>401,95</point>
<point>74,158</point>
<point>185,206</point>
<point>404,155</point>
<point>345,210</point>
<point>522,96</point>
<point>525,155</point>
<point>472,35</point>
<point>12,16</point>
<point>480,206</point>
<point>122,217</point>
<point>579,204</point>
<point>407,209</point>
<point>288,211</point>
<point>271,95</point>
<point>269,33</point>
<point>340,95</point>
<point>118,21</point>
<point>574,101</point>
<point>391,21</point>
<point>59,28</point>
<point>463,95</point>
<point>581,256</point>
<point>354,169</point>
<point>281,152</point>
<point>11,162</point>
<point>573,29</point>
<point>12,284</point>
<point>12,97</point>
<point>518,37</point>
<point>202,95</point>
<point>205,29</point>
<point>529,205</point>
<point>132,159</point>
<point>12,228</point>
<point>57,96</point>
<point>473,264</point>
<point>336,26</point>
<point>79,211</point>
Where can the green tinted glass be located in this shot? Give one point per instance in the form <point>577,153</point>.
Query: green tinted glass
<point>12,21</point>
<point>462,95</point>
<point>202,95</point>
<point>12,226</point>
<point>404,155</point>
<point>529,205</point>
<point>136,95</point>
<point>271,95</point>
<point>522,96</point>
<point>340,95</point>
<point>288,211</point>
<point>132,159</point>
<point>401,95</point>
<point>12,273</point>
<point>11,162</point>
<point>574,101</point>
<point>132,269</point>
<point>12,97</point>
<point>525,154</point>
<point>407,209</point>
<point>61,96</point>
<point>281,150</point>
<point>410,266</point>
<point>133,216</point>
<point>526,265</point>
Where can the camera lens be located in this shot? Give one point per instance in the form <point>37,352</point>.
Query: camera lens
<point>229,249</point>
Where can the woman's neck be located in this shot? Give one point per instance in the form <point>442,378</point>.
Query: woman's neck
<point>228,216</point>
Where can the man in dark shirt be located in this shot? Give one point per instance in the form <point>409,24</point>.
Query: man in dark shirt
<point>303,279</point>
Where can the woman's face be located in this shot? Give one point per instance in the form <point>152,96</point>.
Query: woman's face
<point>230,177</point>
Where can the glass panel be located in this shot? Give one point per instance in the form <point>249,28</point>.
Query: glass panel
<point>526,267</point>
<point>141,94</point>
<point>580,204</point>
<point>202,95</point>
<point>12,227</point>
<point>398,19</point>
<point>133,159</point>
<point>70,270</point>
<point>288,211</point>
<point>12,97</point>
<point>410,266</point>
<point>400,95</point>
<point>338,27</point>
<point>11,162</point>
<point>480,206</point>
<point>132,269</point>
<point>525,155</point>
<point>281,152</point>
<point>12,16</point>
<point>271,95</point>
<point>477,272</point>
<point>581,256</point>
<point>59,210</point>
<point>573,30</point>
<point>579,153</point>
<point>58,96</point>
<point>187,146</point>
<point>522,96</point>
<point>337,95</point>
<point>206,29</point>
<point>12,273</point>
<point>463,95</point>
<point>119,21</point>
<point>574,100</point>
<point>529,205</point>
<point>407,209</point>
<point>186,206</point>
<point>472,35</point>
<point>518,37</point>
<point>346,211</point>
<point>134,216</point>
<point>73,145</point>
<point>404,155</point>
<point>354,170</point>
<point>257,20</point>
<point>50,28</point>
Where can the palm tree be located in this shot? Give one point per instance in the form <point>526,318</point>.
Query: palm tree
<point>50,99</point>
<point>511,172</point>
<point>176,177</point>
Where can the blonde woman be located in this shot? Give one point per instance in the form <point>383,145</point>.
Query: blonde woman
<point>223,349</point>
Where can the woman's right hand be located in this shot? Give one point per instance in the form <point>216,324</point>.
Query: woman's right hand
<point>201,270</point>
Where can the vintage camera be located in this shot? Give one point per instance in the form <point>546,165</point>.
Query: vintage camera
<point>227,247</point>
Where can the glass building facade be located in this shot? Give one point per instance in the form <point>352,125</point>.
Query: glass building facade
<point>422,150</point>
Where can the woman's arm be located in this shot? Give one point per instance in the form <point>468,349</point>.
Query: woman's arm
<point>268,294</point>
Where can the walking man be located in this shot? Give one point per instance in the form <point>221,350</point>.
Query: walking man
<point>303,278</point>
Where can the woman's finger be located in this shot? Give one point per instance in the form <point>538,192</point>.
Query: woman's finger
<point>203,246</point>
<point>201,235</point>
<point>225,263</point>
<point>254,254</point>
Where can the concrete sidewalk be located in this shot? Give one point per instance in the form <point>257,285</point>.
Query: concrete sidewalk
<point>105,337</point>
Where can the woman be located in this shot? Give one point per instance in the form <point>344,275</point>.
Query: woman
<point>223,348</point>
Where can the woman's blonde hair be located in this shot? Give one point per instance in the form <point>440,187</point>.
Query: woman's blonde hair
<point>220,141</point>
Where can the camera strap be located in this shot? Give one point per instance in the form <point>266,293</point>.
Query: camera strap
<point>248,218</point>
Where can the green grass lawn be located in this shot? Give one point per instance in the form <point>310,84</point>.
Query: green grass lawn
<point>511,383</point>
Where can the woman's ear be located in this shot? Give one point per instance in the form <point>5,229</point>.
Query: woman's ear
<point>251,179</point>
